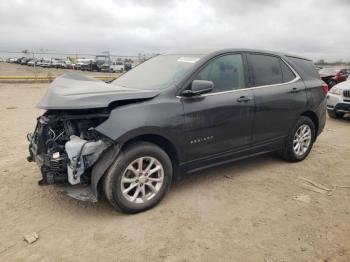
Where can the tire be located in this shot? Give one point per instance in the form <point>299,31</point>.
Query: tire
<point>289,153</point>
<point>120,171</point>
<point>334,114</point>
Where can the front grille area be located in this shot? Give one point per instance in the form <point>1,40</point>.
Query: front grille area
<point>346,93</point>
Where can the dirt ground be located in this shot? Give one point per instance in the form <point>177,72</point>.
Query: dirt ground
<point>244,211</point>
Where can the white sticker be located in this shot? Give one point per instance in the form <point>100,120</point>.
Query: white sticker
<point>187,59</point>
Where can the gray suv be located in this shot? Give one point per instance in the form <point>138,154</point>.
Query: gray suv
<point>171,115</point>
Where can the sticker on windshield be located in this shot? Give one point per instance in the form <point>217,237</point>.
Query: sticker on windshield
<point>187,59</point>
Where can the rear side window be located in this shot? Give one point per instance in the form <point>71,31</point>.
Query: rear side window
<point>266,69</point>
<point>305,68</point>
<point>287,73</point>
<point>269,70</point>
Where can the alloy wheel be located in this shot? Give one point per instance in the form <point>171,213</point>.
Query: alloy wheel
<point>142,179</point>
<point>302,140</point>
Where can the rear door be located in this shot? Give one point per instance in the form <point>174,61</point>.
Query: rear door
<point>280,98</point>
<point>219,123</point>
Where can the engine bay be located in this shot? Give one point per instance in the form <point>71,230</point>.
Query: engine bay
<point>65,145</point>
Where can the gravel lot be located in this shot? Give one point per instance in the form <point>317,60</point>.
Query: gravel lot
<point>244,211</point>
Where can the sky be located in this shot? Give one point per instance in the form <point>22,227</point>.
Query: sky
<point>312,28</point>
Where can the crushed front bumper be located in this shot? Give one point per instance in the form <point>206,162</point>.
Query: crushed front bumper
<point>86,159</point>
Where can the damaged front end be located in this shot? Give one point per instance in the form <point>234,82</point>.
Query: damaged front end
<point>66,146</point>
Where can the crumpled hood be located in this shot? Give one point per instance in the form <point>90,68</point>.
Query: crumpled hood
<point>74,91</point>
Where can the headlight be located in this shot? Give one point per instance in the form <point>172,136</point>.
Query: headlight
<point>336,91</point>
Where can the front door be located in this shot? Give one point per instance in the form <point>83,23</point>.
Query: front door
<point>219,123</point>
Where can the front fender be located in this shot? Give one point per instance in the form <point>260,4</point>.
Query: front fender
<point>147,118</point>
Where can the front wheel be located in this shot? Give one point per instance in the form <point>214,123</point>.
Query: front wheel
<point>300,140</point>
<point>139,178</point>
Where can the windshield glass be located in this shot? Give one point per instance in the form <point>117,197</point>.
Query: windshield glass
<point>158,72</point>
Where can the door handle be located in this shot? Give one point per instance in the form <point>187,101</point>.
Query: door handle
<point>295,90</point>
<point>243,99</point>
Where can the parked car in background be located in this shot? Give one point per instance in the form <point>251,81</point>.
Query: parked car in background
<point>19,60</point>
<point>90,66</point>
<point>128,66</point>
<point>62,64</point>
<point>80,62</point>
<point>39,61</point>
<point>12,60</point>
<point>174,114</point>
<point>338,100</point>
<point>36,62</point>
<point>113,67</point>
<point>117,67</point>
<point>69,64</point>
<point>46,63</point>
<point>56,63</point>
<point>31,62</point>
<point>25,60</point>
<point>333,76</point>
<point>106,67</point>
<point>102,60</point>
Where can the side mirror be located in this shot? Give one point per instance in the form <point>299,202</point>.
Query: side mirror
<point>199,87</point>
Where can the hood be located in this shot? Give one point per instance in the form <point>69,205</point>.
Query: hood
<point>343,85</point>
<point>74,91</point>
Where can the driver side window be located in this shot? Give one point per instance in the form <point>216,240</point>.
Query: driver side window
<point>226,72</point>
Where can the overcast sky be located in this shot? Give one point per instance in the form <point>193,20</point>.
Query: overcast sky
<point>313,28</point>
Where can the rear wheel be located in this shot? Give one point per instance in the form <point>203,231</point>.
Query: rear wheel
<point>300,140</point>
<point>334,114</point>
<point>139,178</point>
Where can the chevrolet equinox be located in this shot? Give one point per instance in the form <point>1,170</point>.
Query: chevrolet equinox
<point>174,114</point>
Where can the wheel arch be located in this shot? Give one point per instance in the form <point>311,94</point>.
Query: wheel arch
<point>160,141</point>
<point>313,116</point>
<point>112,153</point>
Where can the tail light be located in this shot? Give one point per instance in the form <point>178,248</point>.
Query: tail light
<point>325,88</point>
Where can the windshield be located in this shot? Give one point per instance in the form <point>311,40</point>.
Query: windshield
<point>158,72</point>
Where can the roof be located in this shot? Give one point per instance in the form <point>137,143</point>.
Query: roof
<point>224,50</point>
